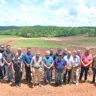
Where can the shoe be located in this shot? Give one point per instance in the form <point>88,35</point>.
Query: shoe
<point>69,83</point>
<point>39,85</point>
<point>92,82</point>
<point>76,84</point>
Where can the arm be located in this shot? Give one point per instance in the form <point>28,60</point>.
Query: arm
<point>24,60</point>
<point>5,61</point>
<point>90,62</point>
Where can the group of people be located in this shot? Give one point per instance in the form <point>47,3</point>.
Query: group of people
<point>64,65</point>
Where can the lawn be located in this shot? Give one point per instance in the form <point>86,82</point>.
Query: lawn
<point>35,43</point>
<point>8,36</point>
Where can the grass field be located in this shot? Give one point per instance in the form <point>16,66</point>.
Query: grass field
<point>48,43</point>
<point>8,36</point>
<point>35,43</point>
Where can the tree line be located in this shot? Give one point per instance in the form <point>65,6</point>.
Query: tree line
<point>49,31</point>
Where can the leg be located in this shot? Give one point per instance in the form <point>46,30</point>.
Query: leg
<point>69,75</point>
<point>26,69</point>
<point>77,75</point>
<point>73,74</point>
<point>81,74</point>
<point>64,77</point>
<point>86,73</point>
<point>49,76</point>
<point>10,77</point>
<point>56,80</point>
<point>29,75</point>
<point>45,76</point>
<point>38,75</point>
<point>34,75</point>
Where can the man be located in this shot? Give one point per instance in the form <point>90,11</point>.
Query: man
<point>86,61</point>
<point>36,68</point>
<point>75,67</point>
<point>8,57</point>
<point>58,52</point>
<point>48,64</point>
<point>52,53</point>
<point>68,60</point>
<point>27,60</point>
<point>20,56</point>
<point>64,52</point>
<point>79,53</point>
<point>2,48</point>
<point>60,68</point>
<point>94,69</point>
<point>1,64</point>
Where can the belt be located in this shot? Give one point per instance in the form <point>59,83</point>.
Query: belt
<point>36,67</point>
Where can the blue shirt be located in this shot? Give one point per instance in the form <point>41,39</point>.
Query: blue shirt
<point>27,58</point>
<point>48,61</point>
<point>59,64</point>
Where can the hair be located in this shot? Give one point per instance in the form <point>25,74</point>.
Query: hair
<point>28,48</point>
<point>8,45</point>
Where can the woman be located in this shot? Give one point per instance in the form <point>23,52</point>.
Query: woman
<point>17,68</point>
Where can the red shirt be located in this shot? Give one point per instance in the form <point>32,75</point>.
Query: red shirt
<point>86,59</point>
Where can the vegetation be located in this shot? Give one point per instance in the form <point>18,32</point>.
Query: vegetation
<point>48,31</point>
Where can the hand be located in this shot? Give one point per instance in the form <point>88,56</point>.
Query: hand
<point>48,68</point>
<point>9,64</point>
<point>28,65</point>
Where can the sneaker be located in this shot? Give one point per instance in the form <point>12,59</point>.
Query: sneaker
<point>69,83</point>
<point>76,84</point>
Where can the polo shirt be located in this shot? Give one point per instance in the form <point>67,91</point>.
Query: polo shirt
<point>86,59</point>
<point>27,58</point>
<point>8,56</point>
<point>48,61</point>
<point>59,64</point>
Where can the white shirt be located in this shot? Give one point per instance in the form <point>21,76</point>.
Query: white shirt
<point>68,61</point>
<point>76,61</point>
<point>35,63</point>
<point>1,57</point>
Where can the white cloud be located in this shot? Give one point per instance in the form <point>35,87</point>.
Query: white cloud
<point>23,7</point>
<point>3,1</point>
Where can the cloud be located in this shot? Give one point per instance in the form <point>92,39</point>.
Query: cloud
<point>2,1</point>
<point>23,7</point>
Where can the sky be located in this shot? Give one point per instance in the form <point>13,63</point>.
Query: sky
<point>67,13</point>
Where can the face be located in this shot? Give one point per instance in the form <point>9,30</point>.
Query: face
<point>8,48</point>
<point>87,52</point>
<point>16,55</point>
<point>19,50</point>
<point>51,50</point>
<point>37,55</point>
<point>69,53</point>
<point>60,57</point>
<point>28,51</point>
<point>2,47</point>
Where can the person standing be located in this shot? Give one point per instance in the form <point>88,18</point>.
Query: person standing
<point>68,60</point>
<point>86,61</point>
<point>20,56</point>
<point>7,58</point>
<point>65,51</point>
<point>75,68</point>
<point>17,68</point>
<point>94,69</point>
<point>1,65</point>
<point>36,68</point>
<point>60,68</point>
<point>27,60</point>
<point>48,64</point>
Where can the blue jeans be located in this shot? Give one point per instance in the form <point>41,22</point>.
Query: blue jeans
<point>47,75</point>
<point>94,74</point>
<point>9,72</point>
<point>59,78</point>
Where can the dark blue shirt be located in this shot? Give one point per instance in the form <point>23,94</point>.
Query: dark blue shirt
<point>59,64</point>
<point>27,58</point>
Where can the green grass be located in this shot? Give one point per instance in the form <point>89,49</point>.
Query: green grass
<point>8,36</point>
<point>35,43</point>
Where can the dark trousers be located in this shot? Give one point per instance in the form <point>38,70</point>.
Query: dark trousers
<point>28,74</point>
<point>1,72</point>
<point>69,76</point>
<point>17,78</point>
<point>84,69</point>
<point>94,74</point>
